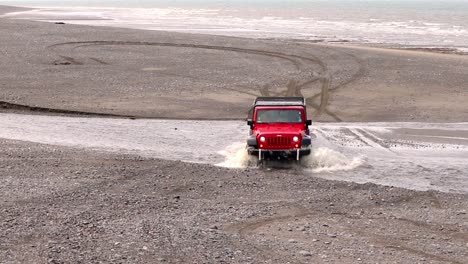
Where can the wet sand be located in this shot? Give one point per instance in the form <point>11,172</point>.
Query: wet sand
<point>171,75</point>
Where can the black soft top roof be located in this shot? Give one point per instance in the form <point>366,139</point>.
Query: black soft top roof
<point>280,101</point>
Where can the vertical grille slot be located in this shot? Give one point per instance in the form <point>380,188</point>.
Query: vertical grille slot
<point>275,142</point>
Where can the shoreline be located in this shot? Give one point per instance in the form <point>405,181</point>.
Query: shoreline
<point>423,48</point>
<point>5,9</point>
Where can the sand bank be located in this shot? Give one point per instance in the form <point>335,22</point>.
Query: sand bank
<point>172,75</point>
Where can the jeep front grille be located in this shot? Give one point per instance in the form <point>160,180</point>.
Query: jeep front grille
<point>279,142</point>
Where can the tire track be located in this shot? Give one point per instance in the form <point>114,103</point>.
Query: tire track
<point>368,140</point>
<point>402,247</point>
<point>362,71</point>
<point>99,61</point>
<point>65,60</point>
<point>356,136</point>
<point>289,57</point>
<point>247,228</point>
<point>321,132</point>
<point>397,244</point>
<point>373,138</point>
<point>293,87</point>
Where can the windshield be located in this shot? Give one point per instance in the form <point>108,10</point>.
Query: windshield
<point>279,116</point>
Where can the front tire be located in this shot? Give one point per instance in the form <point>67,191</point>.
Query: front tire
<point>305,152</point>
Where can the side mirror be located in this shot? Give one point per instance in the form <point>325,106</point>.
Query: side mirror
<point>308,122</point>
<point>250,123</point>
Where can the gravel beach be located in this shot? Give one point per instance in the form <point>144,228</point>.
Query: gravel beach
<point>64,205</point>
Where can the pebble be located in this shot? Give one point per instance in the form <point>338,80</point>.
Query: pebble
<point>305,253</point>
<point>292,241</point>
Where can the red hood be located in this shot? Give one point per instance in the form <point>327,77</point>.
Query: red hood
<point>278,129</point>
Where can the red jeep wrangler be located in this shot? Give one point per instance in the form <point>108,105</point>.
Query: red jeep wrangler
<point>279,128</point>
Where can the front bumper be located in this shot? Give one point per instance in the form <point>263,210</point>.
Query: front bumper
<point>280,153</point>
<point>306,144</point>
<point>252,142</point>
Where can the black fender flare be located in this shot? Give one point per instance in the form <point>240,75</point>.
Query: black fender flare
<point>252,142</point>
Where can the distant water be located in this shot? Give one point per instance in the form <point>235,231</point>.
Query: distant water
<point>421,23</point>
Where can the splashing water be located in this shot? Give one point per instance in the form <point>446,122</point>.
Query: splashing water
<point>321,160</point>
<point>236,156</point>
<point>329,160</point>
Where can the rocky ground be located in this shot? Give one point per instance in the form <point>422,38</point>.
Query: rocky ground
<point>61,205</point>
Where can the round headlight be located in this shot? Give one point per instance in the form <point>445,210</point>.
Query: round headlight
<point>262,139</point>
<point>296,139</point>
